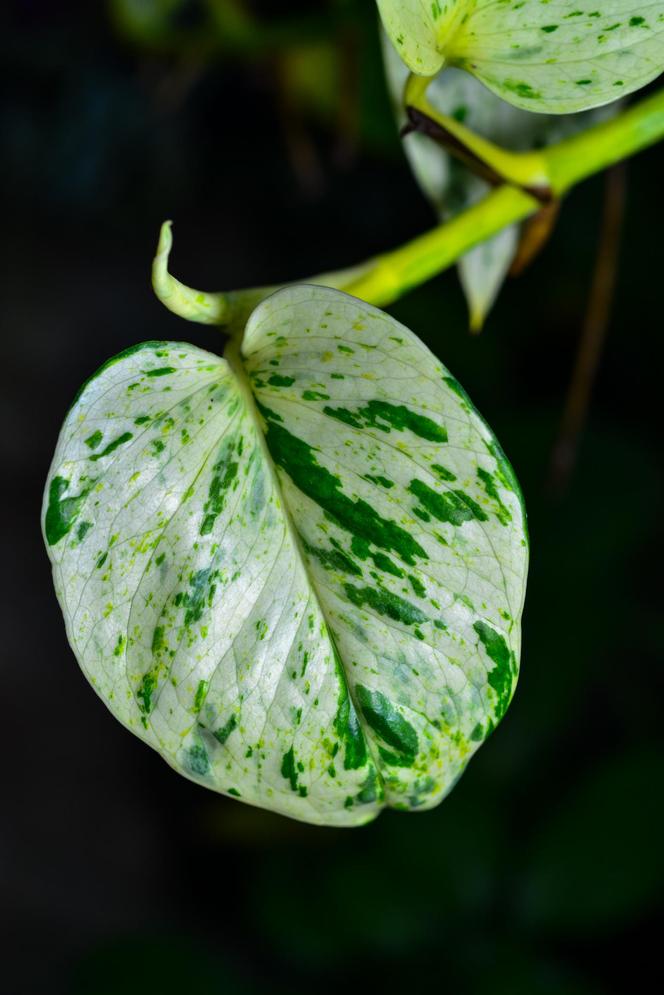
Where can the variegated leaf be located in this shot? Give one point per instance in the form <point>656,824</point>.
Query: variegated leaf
<point>452,187</point>
<point>550,56</point>
<point>299,577</point>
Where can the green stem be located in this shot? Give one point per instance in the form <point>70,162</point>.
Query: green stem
<point>391,275</point>
<point>597,148</point>
<point>385,278</point>
<point>523,169</point>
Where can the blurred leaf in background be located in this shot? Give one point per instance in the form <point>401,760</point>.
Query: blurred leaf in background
<point>452,187</point>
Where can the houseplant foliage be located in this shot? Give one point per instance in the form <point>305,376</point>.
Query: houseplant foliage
<point>297,571</point>
<point>548,57</point>
<point>452,186</point>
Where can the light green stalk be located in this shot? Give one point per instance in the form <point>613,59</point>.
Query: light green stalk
<point>527,170</point>
<point>385,278</point>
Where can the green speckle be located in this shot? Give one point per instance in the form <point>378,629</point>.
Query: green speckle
<point>198,760</point>
<point>224,473</point>
<point>199,698</point>
<point>417,586</point>
<point>385,603</point>
<point>501,677</point>
<point>443,472</point>
<point>395,759</point>
<point>347,727</point>
<point>342,414</point>
<point>385,416</point>
<point>314,395</point>
<point>361,549</point>
<point>382,716</point>
<point>465,600</point>
<point>222,734</point>
<point>504,471</point>
<point>202,592</point>
<point>112,446</point>
<point>371,789</point>
<point>521,89</point>
<point>636,22</point>
<point>332,559</point>
<point>144,694</point>
<point>380,480</point>
<point>83,530</point>
<point>161,371</point>
<point>289,769</point>
<point>503,514</point>
<point>454,507</point>
<point>454,385</point>
<point>62,512</point>
<point>549,28</point>
<point>93,440</point>
<point>276,380</point>
<point>387,565</point>
<point>158,641</point>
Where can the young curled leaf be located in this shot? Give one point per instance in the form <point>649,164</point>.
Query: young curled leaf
<point>556,57</point>
<point>297,573</point>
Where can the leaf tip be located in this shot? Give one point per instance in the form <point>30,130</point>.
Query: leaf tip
<point>160,275</point>
<point>194,305</point>
<point>165,242</point>
<point>476,320</point>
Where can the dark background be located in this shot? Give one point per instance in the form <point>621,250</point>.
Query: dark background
<point>273,149</point>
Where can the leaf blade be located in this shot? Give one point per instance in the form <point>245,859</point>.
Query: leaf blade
<point>452,187</point>
<point>549,58</point>
<point>296,667</point>
<point>558,59</point>
<point>172,620</point>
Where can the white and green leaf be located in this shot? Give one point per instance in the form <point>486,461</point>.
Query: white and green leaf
<point>551,56</point>
<point>452,187</point>
<point>298,577</point>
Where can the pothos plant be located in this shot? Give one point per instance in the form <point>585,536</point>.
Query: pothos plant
<point>297,571</point>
